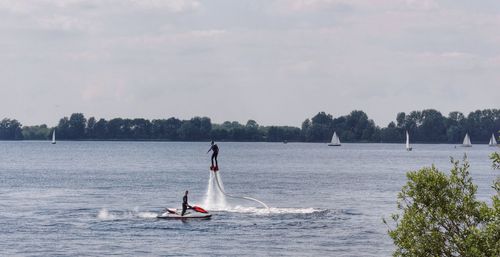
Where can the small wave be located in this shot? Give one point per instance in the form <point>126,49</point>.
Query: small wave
<point>274,210</point>
<point>216,208</point>
<point>147,215</point>
<point>104,214</point>
<point>351,212</point>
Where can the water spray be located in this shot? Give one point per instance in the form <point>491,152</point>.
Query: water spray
<point>216,175</point>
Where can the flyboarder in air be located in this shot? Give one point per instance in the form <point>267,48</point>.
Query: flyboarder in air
<point>185,204</point>
<point>215,151</point>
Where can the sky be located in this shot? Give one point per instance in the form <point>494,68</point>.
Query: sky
<point>275,61</point>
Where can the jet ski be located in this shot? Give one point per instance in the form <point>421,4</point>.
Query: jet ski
<point>195,212</point>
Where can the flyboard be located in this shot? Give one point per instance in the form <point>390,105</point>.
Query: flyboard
<point>216,175</point>
<point>195,212</point>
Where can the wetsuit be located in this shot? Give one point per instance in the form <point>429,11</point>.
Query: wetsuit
<point>215,152</point>
<point>185,205</point>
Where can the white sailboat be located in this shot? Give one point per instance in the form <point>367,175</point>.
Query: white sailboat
<point>493,141</point>
<point>408,147</point>
<point>54,137</point>
<point>335,140</point>
<point>466,142</point>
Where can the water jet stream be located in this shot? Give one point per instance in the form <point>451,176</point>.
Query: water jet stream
<point>216,175</point>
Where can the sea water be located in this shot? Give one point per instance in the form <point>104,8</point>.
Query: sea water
<point>102,198</point>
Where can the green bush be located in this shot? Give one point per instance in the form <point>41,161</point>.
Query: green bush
<point>440,215</point>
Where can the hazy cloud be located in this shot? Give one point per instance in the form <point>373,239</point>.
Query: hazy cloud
<point>277,61</point>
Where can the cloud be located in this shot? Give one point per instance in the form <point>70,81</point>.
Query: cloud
<point>206,33</point>
<point>169,38</point>
<point>30,6</point>
<point>300,6</point>
<point>64,23</point>
<point>88,56</point>
<point>171,5</point>
<point>311,5</point>
<point>160,57</point>
<point>105,89</point>
<point>456,55</point>
<point>423,4</point>
<point>303,6</point>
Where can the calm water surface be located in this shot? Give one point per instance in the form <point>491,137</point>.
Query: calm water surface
<point>101,198</point>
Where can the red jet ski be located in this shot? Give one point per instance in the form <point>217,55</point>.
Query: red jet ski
<point>195,212</point>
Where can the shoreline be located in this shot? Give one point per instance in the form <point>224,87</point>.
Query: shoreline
<point>208,141</point>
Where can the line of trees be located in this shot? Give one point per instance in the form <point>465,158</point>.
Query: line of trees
<point>77,127</point>
<point>427,126</point>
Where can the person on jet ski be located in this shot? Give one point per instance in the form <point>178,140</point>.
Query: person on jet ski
<point>215,151</point>
<point>185,204</point>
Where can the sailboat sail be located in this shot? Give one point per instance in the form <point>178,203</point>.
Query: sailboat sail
<point>335,140</point>
<point>408,147</point>
<point>493,141</point>
<point>54,137</point>
<point>466,140</point>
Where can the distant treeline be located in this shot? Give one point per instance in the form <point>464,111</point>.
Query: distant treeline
<point>427,126</point>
